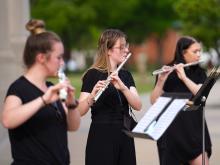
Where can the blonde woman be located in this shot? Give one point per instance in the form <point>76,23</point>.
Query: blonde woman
<point>106,143</point>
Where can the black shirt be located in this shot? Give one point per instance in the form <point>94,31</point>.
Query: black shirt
<point>183,138</point>
<point>41,140</point>
<point>174,84</point>
<point>107,103</point>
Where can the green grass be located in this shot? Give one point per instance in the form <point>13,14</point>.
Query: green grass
<point>144,83</point>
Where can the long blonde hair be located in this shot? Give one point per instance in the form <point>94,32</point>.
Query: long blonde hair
<point>106,42</point>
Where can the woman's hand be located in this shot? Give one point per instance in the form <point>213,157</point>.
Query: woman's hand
<point>99,85</point>
<point>158,89</point>
<point>71,91</point>
<point>116,81</point>
<point>180,71</point>
<point>163,76</point>
<point>52,93</point>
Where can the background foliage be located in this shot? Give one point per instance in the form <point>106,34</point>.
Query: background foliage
<point>201,19</point>
<point>80,22</point>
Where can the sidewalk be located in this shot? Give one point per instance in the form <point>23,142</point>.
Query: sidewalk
<point>146,151</point>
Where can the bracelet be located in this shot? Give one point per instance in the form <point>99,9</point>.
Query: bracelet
<point>73,105</point>
<point>44,102</point>
<point>90,103</point>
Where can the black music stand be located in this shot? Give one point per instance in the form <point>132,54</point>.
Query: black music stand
<point>160,115</point>
<point>199,100</point>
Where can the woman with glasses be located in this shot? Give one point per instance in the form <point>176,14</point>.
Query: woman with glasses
<point>106,143</point>
<point>36,119</point>
<point>182,142</point>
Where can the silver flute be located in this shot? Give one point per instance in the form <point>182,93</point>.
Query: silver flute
<point>108,80</point>
<point>159,71</point>
<point>62,78</point>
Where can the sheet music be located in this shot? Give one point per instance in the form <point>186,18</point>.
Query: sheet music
<point>158,127</point>
<point>151,114</point>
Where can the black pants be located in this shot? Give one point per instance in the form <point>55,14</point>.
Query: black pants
<point>108,145</point>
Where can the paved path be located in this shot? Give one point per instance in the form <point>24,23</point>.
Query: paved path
<point>145,149</point>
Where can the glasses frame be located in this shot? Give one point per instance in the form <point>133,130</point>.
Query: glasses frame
<point>122,47</point>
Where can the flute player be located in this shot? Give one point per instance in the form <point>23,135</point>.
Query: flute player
<point>106,143</point>
<point>36,119</point>
<point>182,142</point>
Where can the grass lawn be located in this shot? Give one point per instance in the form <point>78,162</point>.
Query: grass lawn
<point>144,83</point>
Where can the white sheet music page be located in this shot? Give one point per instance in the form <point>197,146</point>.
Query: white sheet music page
<point>151,114</point>
<point>166,118</point>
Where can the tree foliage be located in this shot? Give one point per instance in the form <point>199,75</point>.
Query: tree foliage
<point>79,23</point>
<point>70,19</point>
<point>201,18</point>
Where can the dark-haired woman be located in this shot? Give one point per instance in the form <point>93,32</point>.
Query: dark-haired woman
<point>36,119</point>
<point>182,142</point>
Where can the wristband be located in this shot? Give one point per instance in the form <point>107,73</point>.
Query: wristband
<point>73,105</point>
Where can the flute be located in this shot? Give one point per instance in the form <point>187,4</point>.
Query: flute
<point>159,71</point>
<point>108,80</point>
<point>62,78</point>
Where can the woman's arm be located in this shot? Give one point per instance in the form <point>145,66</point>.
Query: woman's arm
<point>158,89</point>
<point>71,108</point>
<point>193,87</point>
<point>86,99</point>
<point>73,119</point>
<point>15,113</point>
<point>131,93</point>
<point>132,97</point>
<point>85,102</point>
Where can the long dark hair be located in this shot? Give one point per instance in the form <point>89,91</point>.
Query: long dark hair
<point>182,44</point>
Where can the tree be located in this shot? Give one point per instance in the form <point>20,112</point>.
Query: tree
<point>69,18</point>
<point>79,23</point>
<point>201,19</point>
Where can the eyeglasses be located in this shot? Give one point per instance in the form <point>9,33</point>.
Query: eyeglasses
<point>57,111</point>
<point>122,47</point>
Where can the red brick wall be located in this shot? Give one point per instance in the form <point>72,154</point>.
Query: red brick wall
<point>152,45</point>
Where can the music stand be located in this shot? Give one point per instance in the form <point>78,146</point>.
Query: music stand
<point>199,100</point>
<point>160,115</point>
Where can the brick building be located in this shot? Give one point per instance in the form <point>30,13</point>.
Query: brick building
<point>156,50</point>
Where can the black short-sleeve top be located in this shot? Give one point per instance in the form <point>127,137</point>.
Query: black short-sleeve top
<point>174,84</point>
<point>43,138</point>
<point>111,98</point>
